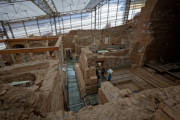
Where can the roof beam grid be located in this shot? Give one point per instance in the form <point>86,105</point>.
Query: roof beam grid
<point>46,6</point>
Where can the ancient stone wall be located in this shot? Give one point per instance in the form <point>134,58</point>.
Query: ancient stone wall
<point>164,27</point>
<point>44,94</point>
<point>121,35</point>
<point>88,70</point>
<point>156,35</point>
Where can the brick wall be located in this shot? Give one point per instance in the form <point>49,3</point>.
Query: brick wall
<point>157,33</point>
<point>164,26</point>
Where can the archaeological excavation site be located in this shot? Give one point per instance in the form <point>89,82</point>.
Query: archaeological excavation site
<point>89,60</point>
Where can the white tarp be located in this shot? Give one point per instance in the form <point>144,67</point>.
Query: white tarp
<point>70,5</point>
<point>25,9</point>
<point>93,3</point>
<point>19,10</point>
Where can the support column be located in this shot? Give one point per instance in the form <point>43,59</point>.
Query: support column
<point>38,26</point>
<point>70,22</point>
<point>11,30</point>
<point>94,38</point>
<point>59,25</point>
<point>25,28</point>
<point>4,30</point>
<point>126,11</point>
<point>108,13</point>
<point>81,20</point>
<point>91,20</point>
<point>51,25</point>
<point>117,12</point>
<point>95,19</point>
<point>7,45</point>
<point>54,17</point>
<point>100,16</point>
<point>62,24</point>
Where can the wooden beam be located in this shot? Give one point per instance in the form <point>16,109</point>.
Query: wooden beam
<point>29,39</point>
<point>28,50</point>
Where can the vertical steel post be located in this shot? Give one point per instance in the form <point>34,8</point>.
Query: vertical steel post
<point>11,30</point>
<point>59,25</point>
<point>108,12</point>
<point>91,20</point>
<point>51,24</point>
<point>62,24</point>
<point>95,19</point>
<point>126,11</point>
<point>70,21</point>
<point>25,28</point>
<point>100,17</point>
<point>54,17</point>
<point>4,30</point>
<point>38,26</point>
<point>7,45</point>
<point>81,20</point>
<point>116,12</point>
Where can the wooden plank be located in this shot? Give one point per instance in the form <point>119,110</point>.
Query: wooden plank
<point>155,67</point>
<point>174,75</point>
<point>28,50</point>
<point>172,114</point>
<point>29,39</point>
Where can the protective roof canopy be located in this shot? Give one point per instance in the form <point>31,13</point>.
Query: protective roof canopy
<point>21,9</point>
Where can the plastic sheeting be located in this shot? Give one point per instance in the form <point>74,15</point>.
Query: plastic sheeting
<point>27,9</point>
<point>93,3</point>
<point>19,10</point>
<point>74,99</point>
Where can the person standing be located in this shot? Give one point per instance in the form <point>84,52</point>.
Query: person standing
<point>109,71</point>
<point>98,78</point>
<point>97,73</point>
<point>102,72</point>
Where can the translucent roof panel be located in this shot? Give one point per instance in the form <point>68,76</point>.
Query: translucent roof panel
<point>19,10</point>
<point>27,9</point>
<point>70,5</point>
<point>93,3</point>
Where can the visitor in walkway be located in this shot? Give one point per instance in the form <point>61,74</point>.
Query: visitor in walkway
<point>102,72</point>
<point>97,73</point>
<point>98,77</point>
<point>110,71</point>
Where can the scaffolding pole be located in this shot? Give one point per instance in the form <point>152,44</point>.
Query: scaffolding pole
<point>108,12</point>
<point>81,20</point>
<point>59,25</point>
<point>117,12</point>
<point>25,28</point>
<point>126,11</point>
<point>91,20</point>
<point>38,26</point>
<point>51,25</point>
<point>70,21</point>
<point>62,24</point>
<point>4,30</point>
<point>55,24</point>
<point>100,17</point>
<point>95,19</point>
<point>7,44</point>
<point>11,30</point>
